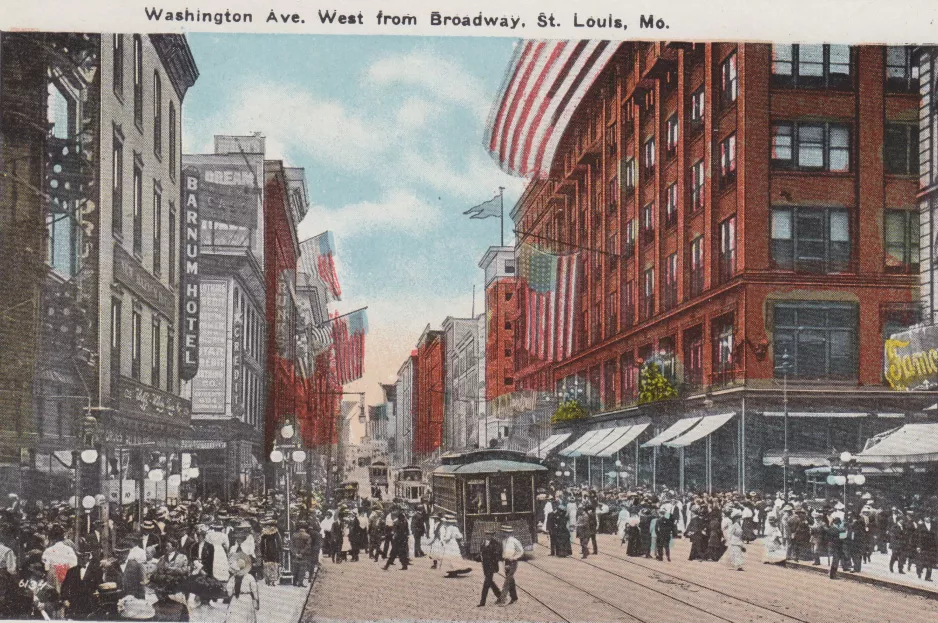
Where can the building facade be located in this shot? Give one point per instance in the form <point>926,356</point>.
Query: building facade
<point>746,219</point>
<point>928,180</point>
<point>459,400</point>
<point>98,321</point>
<point>501,312</point>
<point>405,397</point>
<point>428,407</point>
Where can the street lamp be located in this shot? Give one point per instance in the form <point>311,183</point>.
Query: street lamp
<point>619,473</point>
<point>285,453</point>
<point>784,366</point>
<point>847,465</point>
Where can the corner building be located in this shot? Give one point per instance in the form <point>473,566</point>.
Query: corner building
<point>746,218</point>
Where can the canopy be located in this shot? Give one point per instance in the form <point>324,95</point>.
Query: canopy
<point>549,444</point>
<point>576,448</point>
<point>800,458</point>
<point>911,443</point>
<point>709,424</point>
<point>630,435</point>
<point>813,414</point>
<point>600,441</point>
<point>491,466</point>
<point>672,431</point>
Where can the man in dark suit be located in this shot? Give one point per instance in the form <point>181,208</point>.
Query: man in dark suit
<point>79,586</point>
<point>926,547</point>
<point>203,551</point>
<point>491,553</point>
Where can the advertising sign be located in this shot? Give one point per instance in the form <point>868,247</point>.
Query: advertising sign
<point>911,360</point>
<point>209,385</point>
<point>189,351</point>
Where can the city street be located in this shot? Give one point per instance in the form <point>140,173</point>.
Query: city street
<point>610,587</point>
<point>282,604</point>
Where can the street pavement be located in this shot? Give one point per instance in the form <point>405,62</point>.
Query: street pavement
<point>610,587</point>
<point>279,604</point>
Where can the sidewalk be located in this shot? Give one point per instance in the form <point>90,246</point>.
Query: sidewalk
<point>279,604</point>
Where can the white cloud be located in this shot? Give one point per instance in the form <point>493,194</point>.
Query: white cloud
<point>416,113</point>
<point>444,79</point>
<point>476,180</point>
<point>399,211</point>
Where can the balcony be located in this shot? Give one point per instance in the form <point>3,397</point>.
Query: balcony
<point>648,235</point>
<point>808,266</point>
<point>658,59</point>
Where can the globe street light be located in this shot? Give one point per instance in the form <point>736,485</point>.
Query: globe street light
<point>618,473</point>
<point>89,456</point>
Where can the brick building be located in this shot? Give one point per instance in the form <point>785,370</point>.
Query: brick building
<point>501,310</point>
<point>429,392</point>
<point>746,216</point>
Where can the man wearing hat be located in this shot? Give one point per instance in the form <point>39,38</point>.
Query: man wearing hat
<point>400,533</point>
<point>491,553</point>
<point>836,537</point>
<point>79,586</point>
<point>512,552</point>
<point>150,540</point>
<point>301,547</point>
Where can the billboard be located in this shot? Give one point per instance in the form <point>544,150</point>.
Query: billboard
<point>210,384</point>
<point>911,359</point>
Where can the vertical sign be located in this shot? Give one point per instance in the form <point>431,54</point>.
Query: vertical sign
<point>237,379</point>
<point>210,384</point>
<point>189,364</point>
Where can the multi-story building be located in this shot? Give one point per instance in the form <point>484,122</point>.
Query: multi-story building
<point>745,216</point>
<point>460,402</point>
<point>228,389</point>
<point>928,181</point>
<point>501,311</point>
<point>430,377</point>
<point>91,241</point>
<point>405,397</point>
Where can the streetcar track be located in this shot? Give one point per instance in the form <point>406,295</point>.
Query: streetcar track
<point>683,579</point>
<point>593,595</point>
<point>540,601</point>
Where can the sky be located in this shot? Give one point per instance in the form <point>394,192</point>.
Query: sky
<point>390,131</point>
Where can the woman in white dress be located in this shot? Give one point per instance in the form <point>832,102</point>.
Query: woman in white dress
<point>451,537</point>
<point>437,531</point>
<point>242,589</point>
<point>774,548</point>
<point>734,541</point>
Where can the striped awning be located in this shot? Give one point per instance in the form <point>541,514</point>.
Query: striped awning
<point>544,448</point>
<point>822,414</point>
<point>544,83</point>
<point>709,424</point>
<point>676,429</point>
<point>630,435</point>
<point>911,443</point>
<point>588,437</point>
<point>599,441</point>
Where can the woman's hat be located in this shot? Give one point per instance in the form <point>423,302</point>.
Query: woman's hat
<point>506,529</point>
<point>148,524</point>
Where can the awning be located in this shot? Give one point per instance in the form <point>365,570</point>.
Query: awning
<point>800,458</point>
<point>813,414</point>
<point>911,443</point>
<point>709,424</point>
<point>548,444</point>
<point>630,435</point>
<point>574,448</point>
<point>613,435</point>
<point>676,429</point>
<point>866,470</point>
<point>600,441</point>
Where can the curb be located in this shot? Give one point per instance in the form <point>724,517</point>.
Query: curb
<point>867,579</point>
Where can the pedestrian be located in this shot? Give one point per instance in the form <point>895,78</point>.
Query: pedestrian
<point>734,541</point>
<point>436,541</point>
<point>837,535</point>
<point>316,543</point>
<point>512,552</point>
<point>399,541</point>
<point>271,551</point>
<point>166,582</point>
<point>491,554</point>
<point>592,525</point>
<point>243,592</point>
<point>858,542</point>
<point>900,540</point>
<point>560,532</point>
<point>664,532</point>
<point>417,524</point>
<point>926,545</point>
<point>79,587</point>
<point>698,531</point>
<point>775,550</point>
<point>582,532</point>
<point>452,538</point>
<point>301,546</point>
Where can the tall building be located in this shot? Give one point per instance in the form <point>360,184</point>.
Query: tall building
<point>228,389</point>
<point>745,218</point>
<point>501,313</point>
<point>90,232</point>
<point>460,402</point>
<point>430,377</point>
<point>405,397</point>
<point>928,181</point>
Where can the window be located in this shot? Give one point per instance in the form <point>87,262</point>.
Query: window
<point>697,179</point>
<point>138,209</point>
<point>729,80</point>
<point>901,232</point>
<point>693,356</point>
<point>628,175</point>
<point>509,295</point>
<point>173,254</point>
<point>819,337</point>
<point>648,223</point>
<point>612,250</point>
<point>628,374</point>
<point>671,133</point>
<point>807,239</point>
<point>157,116</point>
<point>117,185</point>
<point>612,194</point>
<point>901,149</point>
<point>115,334</point>
<point>118,65</point>
<point>156,351</point>
<point>669,294</point>
<point>508,325</point>
<point>612,139</point>
<point>666,356</point>
<point>647,304</point>
<point>628,304</point>
<point>138,81</point>
<point>62,242</point>
<point>722,332</point>
<point>696,274</point>
<point>670,206</point>
<point>612,313</point>
<point>648,154</point>
<point>728,160</point>
<point>629,238</point>
<point>509,267</point>
<point>697,102</point>
<point>157,231</point>
<point>811,146</point>
<point>170,355</point>
<point>172,140</point>
<point>136,327</point>
<point>901,69</point>
<point>811,66</point>
<point>727,249</point>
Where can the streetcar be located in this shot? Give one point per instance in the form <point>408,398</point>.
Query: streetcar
<point>348,491</point>
<point>486,489</point>
<point>409,485</point>
<point>378,478</point>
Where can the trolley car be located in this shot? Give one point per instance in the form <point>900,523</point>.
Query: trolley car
<point>348,491</point>
<point>409,485</point>
<point>486,489</point>
<point>378,478</point>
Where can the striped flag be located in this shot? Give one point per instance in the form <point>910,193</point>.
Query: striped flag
<point>348,338</point>
<point>550,294</point>
<point>544,84</point>
<point>317,258</point>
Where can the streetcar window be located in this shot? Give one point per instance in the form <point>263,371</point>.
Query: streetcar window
<point>522,489</point>
<point>500,493</point>
<point>475,497</point>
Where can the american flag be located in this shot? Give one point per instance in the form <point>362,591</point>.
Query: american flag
<point>348,338</point>
<point>544,84</point>
<point>550,283</point>
<point>317,258</point>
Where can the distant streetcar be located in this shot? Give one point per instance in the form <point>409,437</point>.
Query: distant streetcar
<point>488,489</point>
<point>409,485</point>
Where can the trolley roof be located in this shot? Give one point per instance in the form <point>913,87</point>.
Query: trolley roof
<point>491,466</point>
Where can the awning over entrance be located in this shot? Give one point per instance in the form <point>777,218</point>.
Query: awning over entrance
<point>709,424</point>
<point>548,444</point>
<point>911,443</point>
<point>599,442</point>
<point>813,414</point>
<point>631,434</point>
<point>800,458</point>
<point>676,429</point>
<point>574,449</point>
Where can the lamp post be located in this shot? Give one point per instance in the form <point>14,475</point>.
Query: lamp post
<point>848,465</point>
<point>784,366</point>
<point>286,451</point>
<point>88,456</point>
<point>619,473</point>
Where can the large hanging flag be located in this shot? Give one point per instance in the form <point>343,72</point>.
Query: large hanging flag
<point>544,84</point>
<point>320,339</point>
<point>492,207</point>
<point>348,337</point>
<point>550,287</point>
<point>317,257</point>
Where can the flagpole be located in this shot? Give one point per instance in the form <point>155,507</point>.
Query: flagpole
<point>473,300</point>
<point>346,314</point>
<point>501,196</point>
